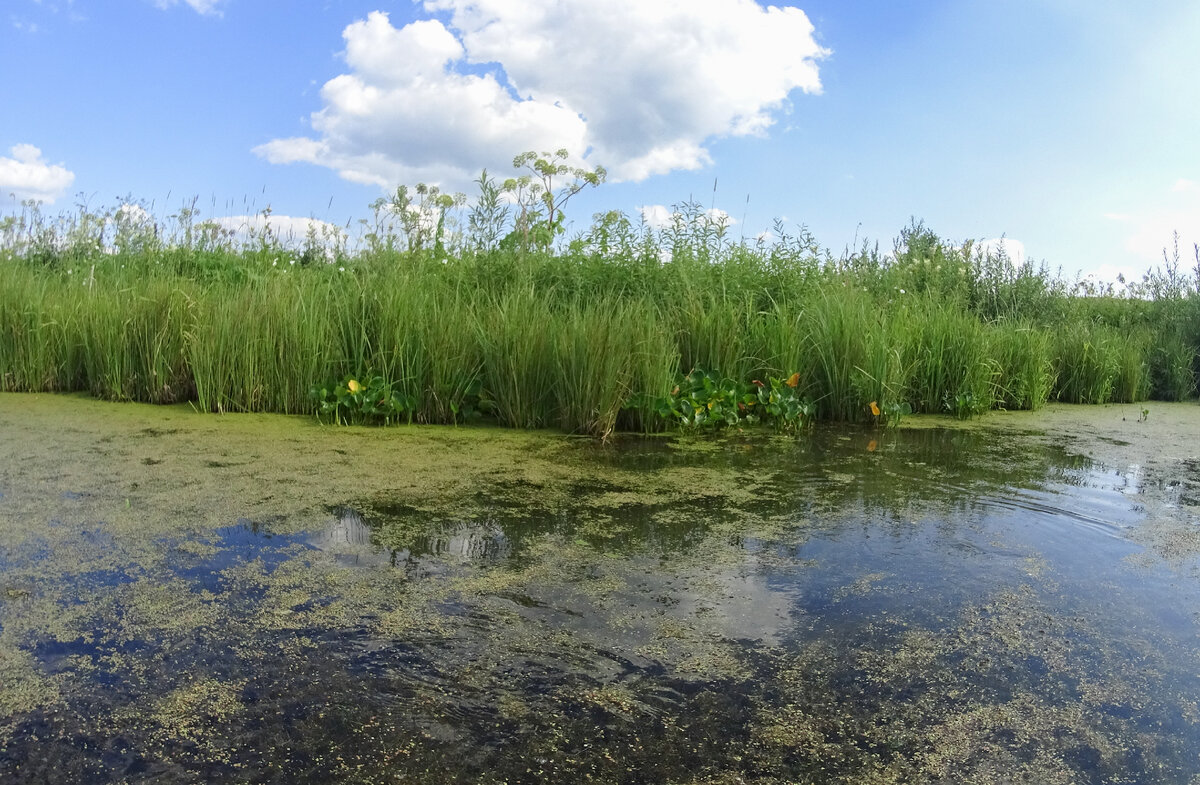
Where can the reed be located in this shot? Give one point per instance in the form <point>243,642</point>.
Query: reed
<point>1087,360</point>
<point>854,357</point>
<point>516,336</point>
<point>1025,362</point>
<point>946,359</point>
<point>587,337</point>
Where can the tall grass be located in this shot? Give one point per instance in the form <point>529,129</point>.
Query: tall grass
<point>1172,363</point>
<point>946,358</point>
<point>1024,358</point>
<point>1087,361</point>
<point>855,355</point>
<point>583,338</point>
<point>595,358</point>
<point>39,347</point>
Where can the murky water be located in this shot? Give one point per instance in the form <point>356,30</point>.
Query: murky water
<point>925,606</point>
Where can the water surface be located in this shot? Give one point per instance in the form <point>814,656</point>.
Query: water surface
<point>931,605</point>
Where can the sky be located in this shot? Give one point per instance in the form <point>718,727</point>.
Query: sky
<point>1070,128</point>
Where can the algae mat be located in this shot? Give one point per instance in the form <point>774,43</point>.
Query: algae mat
<point>244,598</point>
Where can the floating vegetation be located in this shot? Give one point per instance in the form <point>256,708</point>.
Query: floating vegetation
<point>487,605</point>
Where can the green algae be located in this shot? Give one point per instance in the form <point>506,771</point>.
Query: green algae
<point>506,606</point>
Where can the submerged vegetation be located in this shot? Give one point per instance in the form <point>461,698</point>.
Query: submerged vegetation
<point>459,310</point>
<point>257,599</point>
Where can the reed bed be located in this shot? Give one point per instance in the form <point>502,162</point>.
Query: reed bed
<point>584,337</point>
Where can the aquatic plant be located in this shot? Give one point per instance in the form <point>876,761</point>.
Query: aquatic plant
<point>891,413</point>
<point>371,401</point>
<point>781,404</point>
<point>706,399</point>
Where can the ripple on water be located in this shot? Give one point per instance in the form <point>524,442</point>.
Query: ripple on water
<point>913,606</point>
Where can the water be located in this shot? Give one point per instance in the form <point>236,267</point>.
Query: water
<point>926,606</point>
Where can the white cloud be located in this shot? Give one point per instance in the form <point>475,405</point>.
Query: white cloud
<point>290,231</point>
<point>133,215</point>
<point>639,87</point>
<point>1013,249</point>
<point>206,7</point>
<point>27,176</point>
<point>657,216</point>
<point>1151,229</point>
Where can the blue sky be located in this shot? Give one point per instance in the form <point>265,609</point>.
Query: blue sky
<point>1071,127</point>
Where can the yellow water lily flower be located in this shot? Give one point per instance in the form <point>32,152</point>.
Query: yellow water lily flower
<point>354,386</point>
<point>875,408</point>
<point>793,380</point>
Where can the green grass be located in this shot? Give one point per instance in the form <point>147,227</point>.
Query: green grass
<point>854,353</point>
<point>1086,362</point>
<point>1024,358</point>
<point>584,338</point>
<point>947,359</point>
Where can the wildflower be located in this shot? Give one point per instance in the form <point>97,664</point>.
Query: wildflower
<point>354,386</point>
<point>875,408</point>
<point>793,380</point>
<point>901,291</point>
<point>341,269</point>
<point>757,383</point>
<point>274,262</point>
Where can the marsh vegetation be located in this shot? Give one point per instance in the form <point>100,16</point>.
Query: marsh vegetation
<point>494,310</point>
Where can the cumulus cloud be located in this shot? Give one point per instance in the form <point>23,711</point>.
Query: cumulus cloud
<point>1014,250</point>
<point>638,87</point>
<point>26,176</point>
<point>657,216</point>
<point>1151,229</point>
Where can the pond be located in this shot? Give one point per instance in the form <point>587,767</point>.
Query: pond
<point>198,598</point>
